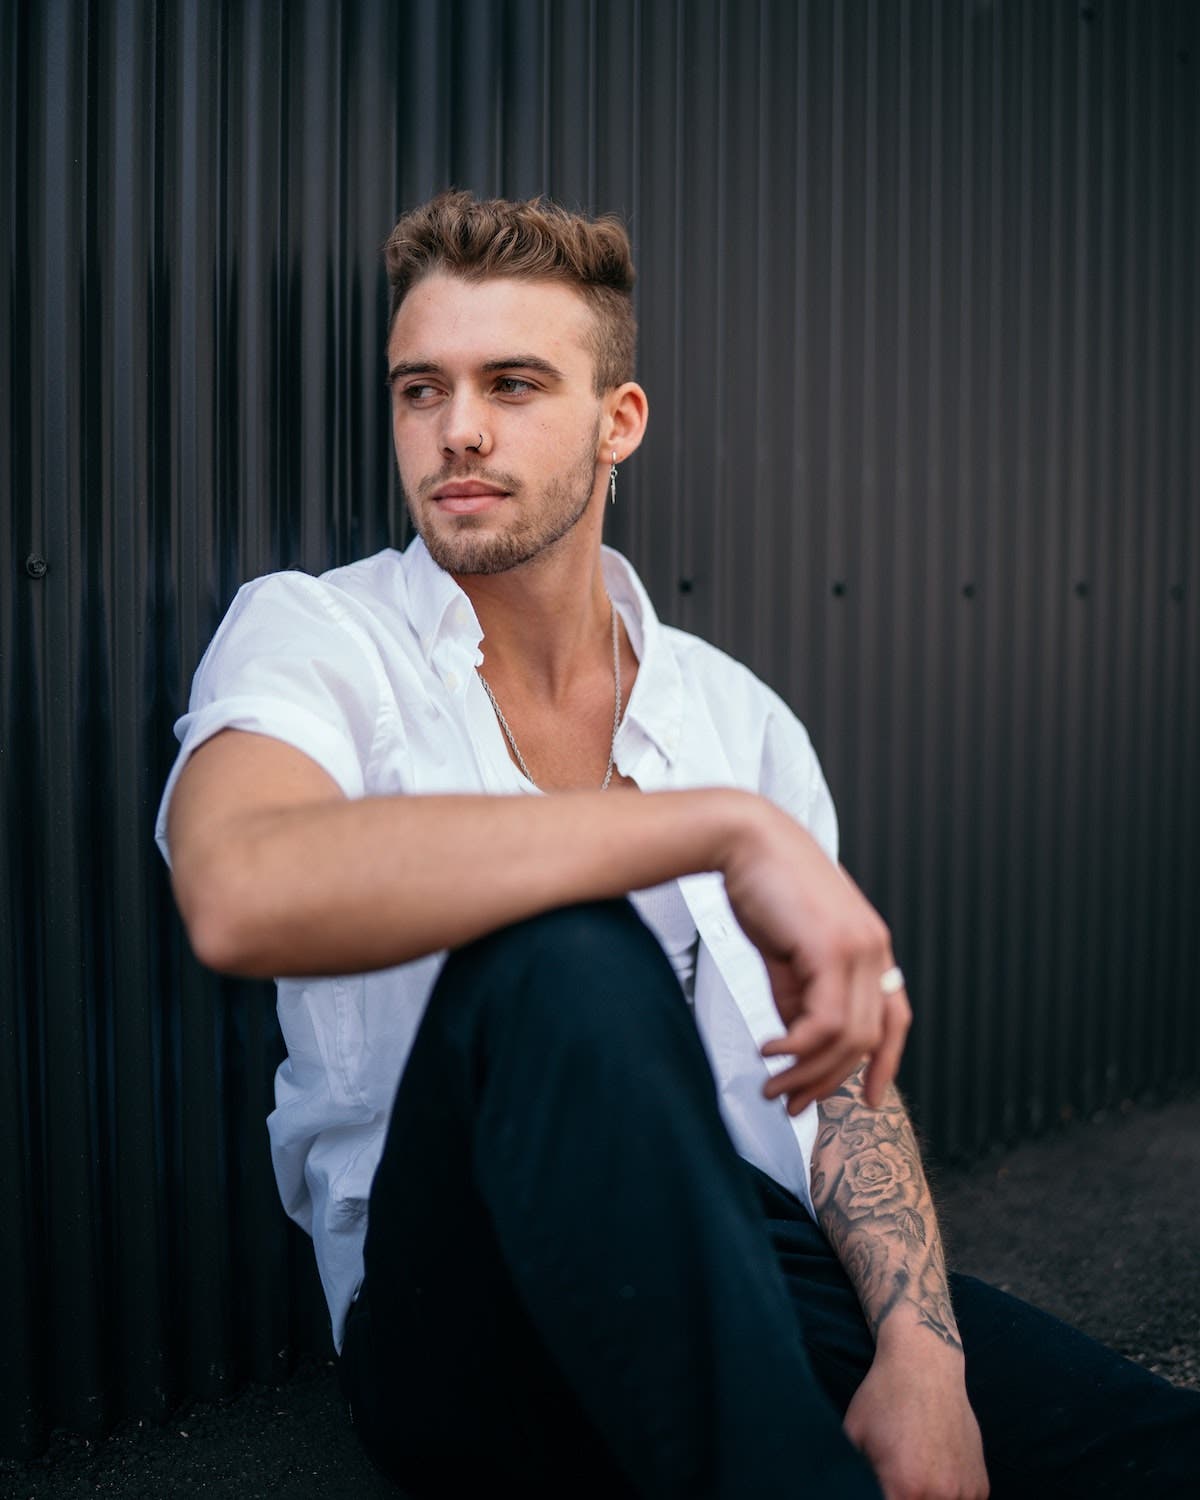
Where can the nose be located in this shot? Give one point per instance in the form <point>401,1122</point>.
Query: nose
<point>463,430</point>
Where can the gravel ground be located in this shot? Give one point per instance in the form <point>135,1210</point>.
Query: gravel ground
<point>1099,1224</point>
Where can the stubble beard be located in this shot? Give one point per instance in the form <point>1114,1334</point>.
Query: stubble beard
<point>465,546</point>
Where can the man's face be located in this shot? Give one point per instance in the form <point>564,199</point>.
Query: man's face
<point>494,417</point>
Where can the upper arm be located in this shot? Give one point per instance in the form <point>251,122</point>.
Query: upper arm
<point>234,776</point>
<point>285,708</point>
<point>228,784</point>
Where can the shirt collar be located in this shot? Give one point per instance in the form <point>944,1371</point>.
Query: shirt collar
<point>438,608</point>
<point>656,703</point>
<point>440,611</point>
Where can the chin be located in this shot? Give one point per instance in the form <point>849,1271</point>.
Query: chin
<point>480,545</point>
<point>476,554</point>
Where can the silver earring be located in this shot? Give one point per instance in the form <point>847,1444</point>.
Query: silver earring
<point>612,480</point>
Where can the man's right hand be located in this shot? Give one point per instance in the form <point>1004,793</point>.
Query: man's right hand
<point>826,950</point>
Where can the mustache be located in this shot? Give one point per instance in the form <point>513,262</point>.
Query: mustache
<point>456,473</point>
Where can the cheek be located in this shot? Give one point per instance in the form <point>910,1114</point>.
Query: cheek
<point>569,440</point>
<point>404,443</point>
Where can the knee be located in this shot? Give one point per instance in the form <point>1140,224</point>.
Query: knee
<point>581,938</point>
<point>588,966</point>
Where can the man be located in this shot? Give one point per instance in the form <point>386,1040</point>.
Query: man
<point>556,1257</point>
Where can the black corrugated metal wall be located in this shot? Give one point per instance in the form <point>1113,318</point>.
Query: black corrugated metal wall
<point>921,331</point>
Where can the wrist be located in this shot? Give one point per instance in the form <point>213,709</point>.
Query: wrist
<point>904,1335</point>
<point>740,822</point>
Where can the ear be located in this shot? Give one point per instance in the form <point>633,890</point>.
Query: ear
<point>624,421</point>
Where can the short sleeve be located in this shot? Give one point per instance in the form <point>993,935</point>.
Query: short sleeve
<point>290,661</point>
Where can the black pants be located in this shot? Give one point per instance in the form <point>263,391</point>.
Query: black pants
<point>575,1287</point>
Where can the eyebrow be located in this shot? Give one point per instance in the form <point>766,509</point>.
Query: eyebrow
<point>492,366</point>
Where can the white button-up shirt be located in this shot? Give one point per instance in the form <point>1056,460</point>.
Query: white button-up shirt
<point>370,671</point>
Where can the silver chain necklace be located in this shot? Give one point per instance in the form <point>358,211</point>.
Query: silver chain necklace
<point>612,748</point>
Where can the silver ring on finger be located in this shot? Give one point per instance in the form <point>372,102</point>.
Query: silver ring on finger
<point>891,981</point>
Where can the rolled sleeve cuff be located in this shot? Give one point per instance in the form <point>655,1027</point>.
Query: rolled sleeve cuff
<point>288,722</point>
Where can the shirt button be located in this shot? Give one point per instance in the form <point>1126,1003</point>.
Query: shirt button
<point>452,682</point>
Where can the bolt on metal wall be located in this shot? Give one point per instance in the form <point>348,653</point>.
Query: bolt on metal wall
<point>920,328</point>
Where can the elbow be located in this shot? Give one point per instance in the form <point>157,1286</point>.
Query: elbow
<point>216,900</point>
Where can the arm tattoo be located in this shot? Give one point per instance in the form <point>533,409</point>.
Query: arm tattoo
<point>875,1207</point>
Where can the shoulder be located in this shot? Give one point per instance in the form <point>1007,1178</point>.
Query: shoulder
<point>348,608</point>
<point>286,630</point>
<point>304,660</point>
<point>767,746</point>
<point>722,677</point>
<point>375,579</point>
<point>370,583</point>
<point>706,670</point>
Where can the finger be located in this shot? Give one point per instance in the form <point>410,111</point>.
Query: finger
<point>817,1010</point>
<point>812,1078</point>
<point>885,1061</point>
<point>796,1043</point>
<point>810,1062</point>
<point>880,1005</point>
<point>858,1030</point>
<point>823,1057</point>
<point>806,1068</point>
<point>798,1103</point>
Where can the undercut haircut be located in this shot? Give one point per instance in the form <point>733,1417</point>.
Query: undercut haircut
<point>535,240</point>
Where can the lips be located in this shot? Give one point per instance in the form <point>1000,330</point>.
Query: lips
<point>467,497</point>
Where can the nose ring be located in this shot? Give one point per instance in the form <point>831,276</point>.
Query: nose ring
<point>475,447</point>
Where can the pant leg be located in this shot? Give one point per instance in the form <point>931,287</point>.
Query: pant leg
<point>1061,1415</point>
<point>569,1287</point>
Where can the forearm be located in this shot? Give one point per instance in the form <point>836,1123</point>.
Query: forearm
<point>343,886</point>
<point>874,1204</point>
<point>276,872</point>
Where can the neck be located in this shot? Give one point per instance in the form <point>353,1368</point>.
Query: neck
<point>542,624</point>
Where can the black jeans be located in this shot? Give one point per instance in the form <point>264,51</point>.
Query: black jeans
<point>575,1287</point>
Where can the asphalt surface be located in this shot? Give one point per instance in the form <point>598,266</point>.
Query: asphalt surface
<point>1099,1224</point>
